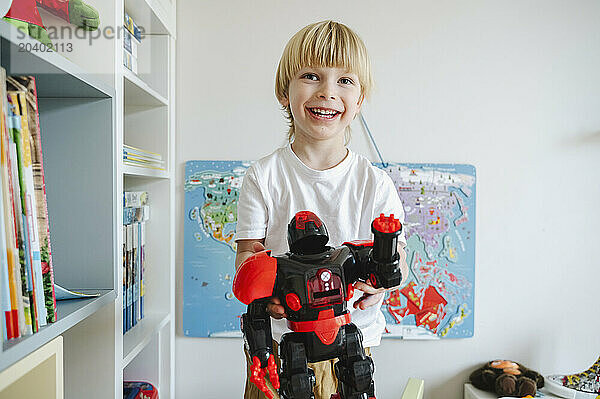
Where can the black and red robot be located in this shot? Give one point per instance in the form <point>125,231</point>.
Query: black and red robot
<point>314,282</point>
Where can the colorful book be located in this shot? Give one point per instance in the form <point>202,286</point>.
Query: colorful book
<point>28,85</point>
<point>142,265</point>
<point>33,263</point>
<point>31,203</point>
<point>15,314</point>
<point>25,283</point>
<point>124,279</point>
<point>136,275</point>
<point>129,275</point>
<point>134,199</point>
<point>127,149</point>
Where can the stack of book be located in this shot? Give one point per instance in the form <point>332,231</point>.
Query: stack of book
<point>136,212</point>
<point>132,38</point>
<point>146,159</point>
<point>27,298</point>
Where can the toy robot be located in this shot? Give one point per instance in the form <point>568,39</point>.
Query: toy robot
<point>314,283</point>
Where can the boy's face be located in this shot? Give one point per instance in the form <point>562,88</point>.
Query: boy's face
<point>323,101</point>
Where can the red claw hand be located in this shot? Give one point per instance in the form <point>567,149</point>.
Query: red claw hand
<point>273,376</point>
<point>257,376</point>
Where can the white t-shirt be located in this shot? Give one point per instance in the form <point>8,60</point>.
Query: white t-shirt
<point>346,198</point>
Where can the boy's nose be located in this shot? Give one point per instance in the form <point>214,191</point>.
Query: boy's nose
<point>327,93</point>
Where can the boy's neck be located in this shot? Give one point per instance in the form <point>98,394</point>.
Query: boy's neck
<point>320,155</point>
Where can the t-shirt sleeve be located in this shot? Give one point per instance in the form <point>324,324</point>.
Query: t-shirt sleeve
<point>388,202</point>
<point>252,209</point>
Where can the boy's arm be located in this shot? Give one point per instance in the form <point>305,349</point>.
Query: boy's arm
<point>247,248</point>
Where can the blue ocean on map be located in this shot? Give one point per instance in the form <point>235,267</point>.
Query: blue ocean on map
<point>436,302</point>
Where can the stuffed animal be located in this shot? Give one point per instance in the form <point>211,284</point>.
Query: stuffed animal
<point>24,14</point>
<point>507,378</point>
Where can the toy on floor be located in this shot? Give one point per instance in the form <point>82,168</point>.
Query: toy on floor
<point>24,14</point>
<point>507,378</point>
<point>581,385</point>
<point>314,283</point>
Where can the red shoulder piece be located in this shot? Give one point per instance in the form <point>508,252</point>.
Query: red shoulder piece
<point>359,243</point>
<point>255,278</point>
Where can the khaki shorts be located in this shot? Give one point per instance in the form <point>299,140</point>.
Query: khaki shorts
<point>326,382</point>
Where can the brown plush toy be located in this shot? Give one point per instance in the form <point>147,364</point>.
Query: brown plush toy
<point>507,378</point>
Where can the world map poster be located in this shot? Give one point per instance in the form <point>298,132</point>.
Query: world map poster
<point>437,299</point>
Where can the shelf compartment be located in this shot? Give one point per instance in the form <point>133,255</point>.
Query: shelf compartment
<point>136,339</point>
<point>70,313</point>
<point>152,15</point>
<point>138,92</point>
<point>56,76</point>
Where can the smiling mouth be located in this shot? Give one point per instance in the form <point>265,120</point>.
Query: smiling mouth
<point>323,113</point>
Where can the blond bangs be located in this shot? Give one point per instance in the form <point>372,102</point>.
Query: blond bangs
<point>323,44</point>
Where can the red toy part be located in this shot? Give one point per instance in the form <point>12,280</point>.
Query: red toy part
<point>257,375</point>
<point>293,301</point>
<point>60,8</point>
<point>359,243</point>
<point>387,224</point>
<point>306,216</point>
<point>325,327</point>
<point>349,292</point>
<point>255,278</point>
<point>26,11</point>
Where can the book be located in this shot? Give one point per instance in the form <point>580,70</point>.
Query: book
<point>135,198</point>
<point>147,154</point>
<point>130,43</point>
<point>28,124</point>
<point>130,62</point>
<point>124,278</point>
<point>136,214</point>
<point>142,265</point>
<point>136,275</point>
<point>132,27</point>
<point>27,84</point>
<point>63,294</point>
<point>16,314</point>
<point>27,322</point>
<point>129,275</point>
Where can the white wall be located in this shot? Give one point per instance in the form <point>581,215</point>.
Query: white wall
<point>512,87</point>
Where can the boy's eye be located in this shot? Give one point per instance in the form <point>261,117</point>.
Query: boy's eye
<point>310,76</point>
<point>346,81</point>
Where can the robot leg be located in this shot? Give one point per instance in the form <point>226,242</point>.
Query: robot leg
<point>354,370</point>
<point>297,379</point>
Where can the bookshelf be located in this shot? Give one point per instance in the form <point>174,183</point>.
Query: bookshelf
<point>90,105</point>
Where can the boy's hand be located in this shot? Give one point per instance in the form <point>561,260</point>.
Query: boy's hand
<point>370,297</point>
<point>275,309</point>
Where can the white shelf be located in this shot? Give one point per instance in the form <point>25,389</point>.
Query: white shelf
<point>139,93</point>
<point>152,15</point>
<point>138,171</point>
<point>136,339</point>
<point>56,76</point>
<point>70,312</point>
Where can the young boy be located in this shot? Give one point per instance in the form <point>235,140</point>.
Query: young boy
<point>322,79</point>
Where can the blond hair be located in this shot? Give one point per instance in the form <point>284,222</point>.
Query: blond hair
<point>322,44</point>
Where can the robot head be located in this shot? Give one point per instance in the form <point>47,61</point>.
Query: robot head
<point>307,234</point>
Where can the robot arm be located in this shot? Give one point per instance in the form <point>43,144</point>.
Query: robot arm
<point>378,260</point>
<point>253,285</point>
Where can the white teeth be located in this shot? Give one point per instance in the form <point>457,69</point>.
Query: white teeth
<point>323,111</point>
